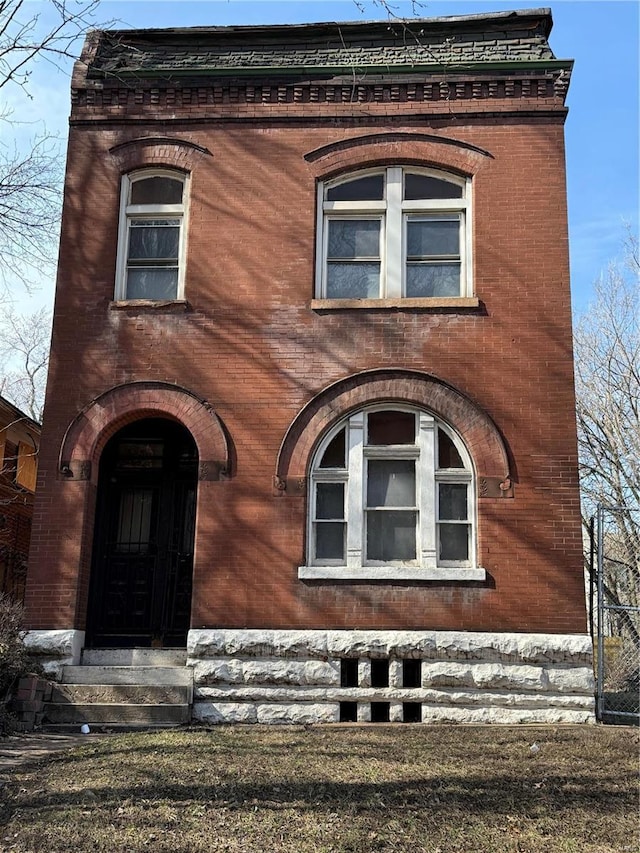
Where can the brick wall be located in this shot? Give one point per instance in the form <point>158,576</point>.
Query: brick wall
<point>253,348</point>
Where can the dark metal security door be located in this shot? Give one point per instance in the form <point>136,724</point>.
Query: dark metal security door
<point>143,554</point>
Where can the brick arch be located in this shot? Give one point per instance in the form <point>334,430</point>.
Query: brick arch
<point>158,151</point>
<point>479,433</point>
<point>406,148</point>
<point>89,432</point>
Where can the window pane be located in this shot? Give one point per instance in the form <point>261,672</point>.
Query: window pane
<point>391,482</point>
<point>334,455</point>
<point>152,283</point>
<point>354,238</point>
<point>433,237</point>
<point>391,428</point>
<point>154,240</point>
<point>156,191</point>
<point>330,540</point>
<point>391,535</point>
<point>370,188</point>
<point>453,501</point>
<point>330,500</point>
<point>422,186</point>
<point>439,279</point>
<point>353,281</point>
<point>454,541</point>
<point>448,456</point>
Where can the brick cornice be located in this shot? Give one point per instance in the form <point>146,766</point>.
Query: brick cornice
<point>543,87</point>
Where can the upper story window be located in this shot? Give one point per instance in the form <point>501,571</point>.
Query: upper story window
<point>151,238</point>
<point>394,233</point>
<point>391,497</point>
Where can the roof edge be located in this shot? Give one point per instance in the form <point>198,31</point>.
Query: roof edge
<point>362,26</point>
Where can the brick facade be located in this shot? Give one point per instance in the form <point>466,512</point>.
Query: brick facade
<point>256,369</point>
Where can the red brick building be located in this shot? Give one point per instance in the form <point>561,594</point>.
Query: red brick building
<point>19,441</point>
<point>311,398</point>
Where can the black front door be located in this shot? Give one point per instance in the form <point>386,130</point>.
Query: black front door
<point>140,591</point>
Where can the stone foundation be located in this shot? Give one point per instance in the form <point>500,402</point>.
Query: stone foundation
<point>257,676</point>
<point>55,649</point>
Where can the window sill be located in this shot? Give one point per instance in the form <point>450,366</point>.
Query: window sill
<point>425,303</point>
<point>390,573</point>
<point>168,306</point>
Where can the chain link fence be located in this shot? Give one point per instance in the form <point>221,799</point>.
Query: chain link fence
<point>617,553</point>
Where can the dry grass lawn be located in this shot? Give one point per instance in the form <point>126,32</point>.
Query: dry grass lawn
<point>423,789</point>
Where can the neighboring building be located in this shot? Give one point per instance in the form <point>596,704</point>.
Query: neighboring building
<point>310,410</point>
<point>19,442</point>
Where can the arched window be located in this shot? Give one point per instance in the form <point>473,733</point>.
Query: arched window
<point>396,232</point>
<point>151,236</point>
<point>391,497</point>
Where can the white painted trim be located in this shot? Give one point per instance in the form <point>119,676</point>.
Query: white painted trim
<point>390,573</point>
<point>128,212</point>
<point>393,212</point>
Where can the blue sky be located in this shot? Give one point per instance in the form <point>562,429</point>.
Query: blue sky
<point>601,131</point>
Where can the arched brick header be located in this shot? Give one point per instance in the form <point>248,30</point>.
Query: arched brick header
<point>103,417</point>
<point>158,151</point>
<point>475,427</point>
<point>382,148</point>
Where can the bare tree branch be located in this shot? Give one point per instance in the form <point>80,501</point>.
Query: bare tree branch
<point>24,354</point>
<point>607,365</point>
<point>31,176</point>
<point>23,36</point>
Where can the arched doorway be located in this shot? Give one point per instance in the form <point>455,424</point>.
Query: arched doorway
<point>140,591</point>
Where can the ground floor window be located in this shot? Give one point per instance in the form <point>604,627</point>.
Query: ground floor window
<point>391,487</point>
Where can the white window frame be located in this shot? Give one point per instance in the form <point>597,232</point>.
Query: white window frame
<point>394,214</point>
<point>140,212</point>
<point>424,451</point>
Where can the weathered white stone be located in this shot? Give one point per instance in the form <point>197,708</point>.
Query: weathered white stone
<point>447,645</point>
<point>395,673</point>
<point>290,672</point>
<point>380,644</point>
<point>300,644</point>
<point>224,712</point>
<point>469,676</point>
<point>364,673</point>
<point>364,712</point>
<point>213,671</point>
<point>298,713</point>
<point>471,697</point>
<point>508,676</point>
<point>60,643</point>
<point>503,716</point>
<point>396,713</point>
<point>483,675</point>
<point>204,642</point>
<point>250,643</point>
<point>525,648</point>
<point>447,674</point>
<point>53,667</point>
<point>571,679</point>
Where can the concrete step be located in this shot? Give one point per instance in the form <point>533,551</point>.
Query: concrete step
<point>136,694</point>
<point>151,676</point>
<point>123,690</point>
<point>116,713</point>
<point>134,657</point>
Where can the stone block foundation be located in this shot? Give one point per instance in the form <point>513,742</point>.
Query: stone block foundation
<point>270,676</point>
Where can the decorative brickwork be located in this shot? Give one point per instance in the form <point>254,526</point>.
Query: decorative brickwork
<point>483,440</point>
<point>90,431</point>
<point>257,366</point>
